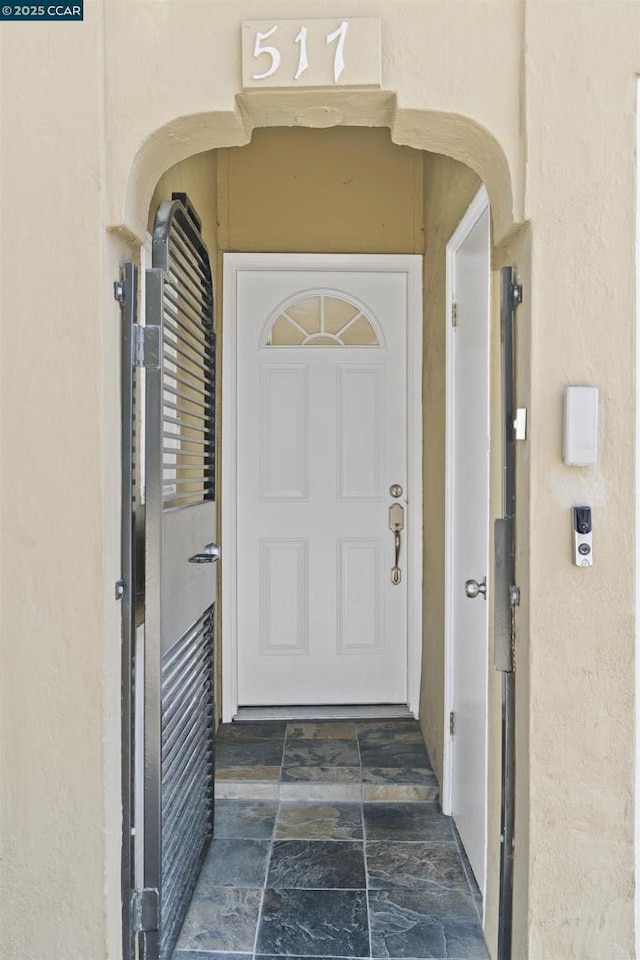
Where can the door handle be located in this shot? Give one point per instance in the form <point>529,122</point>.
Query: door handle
<point>396,525</point>
<point>210,554</point>
<point>472,588</point>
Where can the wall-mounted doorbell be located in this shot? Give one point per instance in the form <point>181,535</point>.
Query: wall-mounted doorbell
<point>582,537</point>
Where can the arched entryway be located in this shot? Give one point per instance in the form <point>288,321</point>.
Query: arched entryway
<point>437,183</point>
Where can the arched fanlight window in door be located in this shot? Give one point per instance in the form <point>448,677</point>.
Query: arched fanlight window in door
<point>322,320</point>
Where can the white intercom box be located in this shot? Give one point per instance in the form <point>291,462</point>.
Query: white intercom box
<point>580,426</point>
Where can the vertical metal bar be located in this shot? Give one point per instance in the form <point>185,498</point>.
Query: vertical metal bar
<point>507,826</point>
<point>506,335</point>
<point>153,587</point>
<point>506,570</point>
<point>128,610</point>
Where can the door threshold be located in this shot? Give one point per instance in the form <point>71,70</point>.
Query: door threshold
<point>376,711</point>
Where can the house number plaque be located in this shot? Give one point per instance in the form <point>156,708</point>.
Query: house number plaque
<point>342,52</point>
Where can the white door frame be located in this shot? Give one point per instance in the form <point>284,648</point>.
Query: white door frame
<point>477,207</point>
<point>411,265</point>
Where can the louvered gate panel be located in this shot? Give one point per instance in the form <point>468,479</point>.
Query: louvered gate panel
<point>180,587</point>
<point>187,770</point>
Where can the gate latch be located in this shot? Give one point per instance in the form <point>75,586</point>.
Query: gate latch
<point>146,909</point>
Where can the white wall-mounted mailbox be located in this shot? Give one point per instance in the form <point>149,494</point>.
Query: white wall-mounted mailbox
<point>580,426</point>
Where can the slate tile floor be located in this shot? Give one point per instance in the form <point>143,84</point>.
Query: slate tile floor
<point>359,862</point>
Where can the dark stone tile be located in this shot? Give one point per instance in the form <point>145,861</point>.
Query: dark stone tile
<point>411,865</point>
<point>316,864</point>
<point>400,731</point>
<point>378,753</point>
<point>319,821</point>
<point>415,924</point>
<point>247,772</point>
<point>399,775</point>
<point>258,730</point>
<point>249,753</point>
<point>224,920</point>
<point>321,774</point>
<point>321,753</point>
<point>233,863</point>
<point>244,819</point>
<point>406,821</point>
<point>399,792</point>
<point>327,730</point>
<point>314,923</point>
<point>209,955</point>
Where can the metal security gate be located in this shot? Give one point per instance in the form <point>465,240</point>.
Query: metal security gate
<point>175,350</point>
<point>507,598</point>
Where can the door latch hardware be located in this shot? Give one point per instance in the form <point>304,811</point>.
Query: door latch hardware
<point>396,525</point>
<point>119,292</point>
<point>119,589</point>
<point>514,595</point>
<point>520,424</point>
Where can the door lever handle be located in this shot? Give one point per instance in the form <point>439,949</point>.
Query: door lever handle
<point>210,554</point>
<point>396,525</point>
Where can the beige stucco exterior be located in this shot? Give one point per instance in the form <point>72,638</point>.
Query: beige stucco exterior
<point>538,100</point>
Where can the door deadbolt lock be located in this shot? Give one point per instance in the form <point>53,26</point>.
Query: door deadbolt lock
<point>473,589</point>
<point>395,490</point>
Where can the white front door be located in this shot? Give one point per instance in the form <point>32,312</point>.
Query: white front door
<point>468,540</point>
<point>321,436</point>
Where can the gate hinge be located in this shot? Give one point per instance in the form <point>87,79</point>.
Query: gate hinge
<point>452,723</point>
<point>516,295</point>
<point>146,909</point>
<point>454,314</point>
<point>514,595</point>
<point>146,346</point>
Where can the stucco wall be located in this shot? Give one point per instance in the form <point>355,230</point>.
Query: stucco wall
<point>60,823</point>
<point>580,110</point>
<point>539,99</point>
<point>342,190</point>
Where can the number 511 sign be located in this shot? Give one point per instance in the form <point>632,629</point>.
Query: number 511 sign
<point>344,52</point>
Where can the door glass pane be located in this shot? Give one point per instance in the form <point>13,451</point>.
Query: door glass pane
<point>359,334</point>
<point>285,334</point>
<point>337,314</point>
<point>306,313</point>
<point>322,320</point>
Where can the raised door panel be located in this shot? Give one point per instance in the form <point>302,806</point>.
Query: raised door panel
<point>360,596</point>
<point>284,597</point>
<point>284,432</point>
<point>360,432</point>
